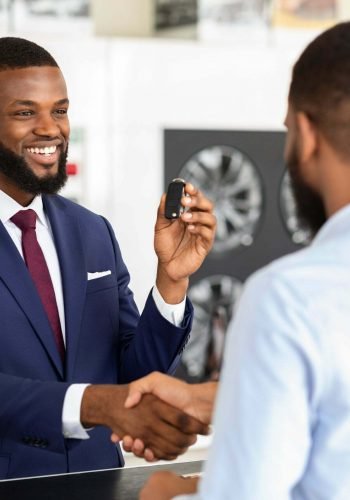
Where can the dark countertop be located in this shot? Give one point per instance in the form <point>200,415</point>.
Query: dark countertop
<point>113,484</point>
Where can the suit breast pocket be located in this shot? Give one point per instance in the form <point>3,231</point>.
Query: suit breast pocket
<point>103,283</point>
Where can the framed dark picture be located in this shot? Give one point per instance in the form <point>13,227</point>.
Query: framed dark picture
<point>175,13</point>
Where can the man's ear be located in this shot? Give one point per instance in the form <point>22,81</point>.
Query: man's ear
<point>307,137</point>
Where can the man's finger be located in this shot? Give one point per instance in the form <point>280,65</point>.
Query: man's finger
<point>128,443</point>
<point>149,456</point>
<point>195,198</point>
<point>115,438</point>
<point>138,446</point>
<point>185,423</point>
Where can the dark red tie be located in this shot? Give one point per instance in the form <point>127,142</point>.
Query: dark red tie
<point>36,263</point>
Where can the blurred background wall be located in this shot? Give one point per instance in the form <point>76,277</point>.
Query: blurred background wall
<point>228,71</point>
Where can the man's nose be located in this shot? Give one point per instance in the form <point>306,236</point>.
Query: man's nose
<point>46,126</point>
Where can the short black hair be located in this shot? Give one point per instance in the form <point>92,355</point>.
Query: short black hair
<point>16,53</point>
<point>320,85</point>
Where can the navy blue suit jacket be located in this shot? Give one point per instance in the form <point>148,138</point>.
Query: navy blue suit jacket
<point>106,342</point>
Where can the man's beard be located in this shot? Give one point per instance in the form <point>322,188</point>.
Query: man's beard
<point>309,204</point>
<point>19,172</point>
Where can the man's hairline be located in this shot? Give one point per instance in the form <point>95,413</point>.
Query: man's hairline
<point>29,66</point>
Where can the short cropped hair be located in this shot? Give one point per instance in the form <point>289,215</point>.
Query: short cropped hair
<point>16,53</point>
<point>320,86</point>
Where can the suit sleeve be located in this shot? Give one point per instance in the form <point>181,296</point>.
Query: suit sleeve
<point>39,405</point>
<point>148,342</point>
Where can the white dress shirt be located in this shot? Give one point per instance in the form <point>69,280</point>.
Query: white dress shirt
<point>71,426</point>
<point>282,418</point>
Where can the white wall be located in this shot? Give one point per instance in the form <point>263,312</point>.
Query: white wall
<point>124,92</point>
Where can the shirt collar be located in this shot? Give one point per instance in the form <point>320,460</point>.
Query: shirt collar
<point>9,207</point>
<point>335,226</point>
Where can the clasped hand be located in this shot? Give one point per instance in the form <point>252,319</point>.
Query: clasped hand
<point>166,430</point>
<point>195,400</point>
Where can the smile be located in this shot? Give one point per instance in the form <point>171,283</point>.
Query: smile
<point>43,151</point>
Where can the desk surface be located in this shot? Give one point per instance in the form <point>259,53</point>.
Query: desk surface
<point>114,484</point>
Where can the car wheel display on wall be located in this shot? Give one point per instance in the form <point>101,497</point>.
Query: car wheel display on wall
<point>242,172</point>
<point>229,178</point>
<point>214,299</point>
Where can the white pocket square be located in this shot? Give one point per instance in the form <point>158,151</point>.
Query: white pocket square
<point>98,274</point>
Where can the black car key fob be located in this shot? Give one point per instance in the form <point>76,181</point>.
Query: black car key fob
<point>173,207</point>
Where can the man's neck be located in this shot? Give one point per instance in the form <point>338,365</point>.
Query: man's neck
<point>21,197</point>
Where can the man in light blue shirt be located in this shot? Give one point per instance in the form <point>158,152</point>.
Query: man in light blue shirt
<point>282,417</point>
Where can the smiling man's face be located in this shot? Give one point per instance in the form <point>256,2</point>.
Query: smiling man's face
<point>34,131</point>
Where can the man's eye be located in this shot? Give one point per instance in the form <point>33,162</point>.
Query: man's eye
<point>25,112</point>
<point>61,111</point>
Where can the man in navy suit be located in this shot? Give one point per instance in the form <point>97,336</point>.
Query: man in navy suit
<point>70,332</point>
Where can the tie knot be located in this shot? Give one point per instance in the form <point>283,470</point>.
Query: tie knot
<point>25,219</point>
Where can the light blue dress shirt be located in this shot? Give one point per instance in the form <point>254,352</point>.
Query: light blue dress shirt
<point>282,420</point>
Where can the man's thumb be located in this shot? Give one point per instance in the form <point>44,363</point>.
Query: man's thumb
<point>134,397</point>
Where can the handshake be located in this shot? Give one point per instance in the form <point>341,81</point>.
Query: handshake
<point>156,417</point>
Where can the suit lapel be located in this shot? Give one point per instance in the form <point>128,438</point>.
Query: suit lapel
<point>66,233</point>
<point>17,279</point>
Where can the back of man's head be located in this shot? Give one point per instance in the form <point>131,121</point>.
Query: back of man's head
<point>16,53</point>
<point>320,86</point>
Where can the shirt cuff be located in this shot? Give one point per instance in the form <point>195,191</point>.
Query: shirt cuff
<point>71,425</point>
<point>174,313</point>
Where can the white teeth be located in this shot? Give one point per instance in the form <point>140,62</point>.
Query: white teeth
<point>43,151</point>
